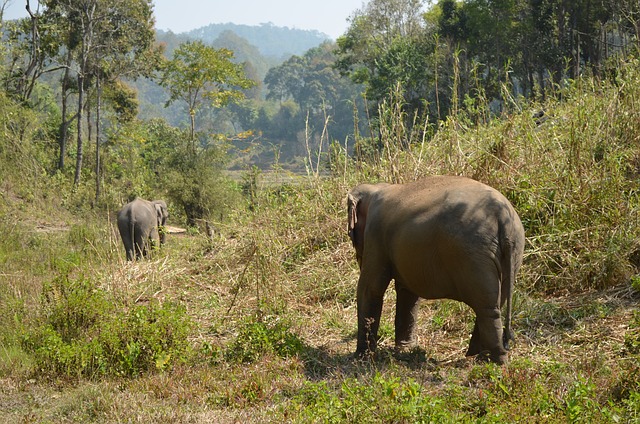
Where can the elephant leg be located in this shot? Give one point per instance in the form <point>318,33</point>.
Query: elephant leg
<point>406,315</point>
<point>489,334</point>
<point>370,295</point>
<point>128,244</point>
<point>474,345</point>
<point>128,248</point>
<point>139,244</point>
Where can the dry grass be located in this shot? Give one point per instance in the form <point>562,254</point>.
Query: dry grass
<point>560,340</point>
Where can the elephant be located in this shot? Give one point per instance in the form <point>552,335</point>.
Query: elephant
<point>441,237</point>
<point>139,223</point>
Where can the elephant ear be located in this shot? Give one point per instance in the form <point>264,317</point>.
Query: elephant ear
<point>158,213</point>
<point>352,207</point>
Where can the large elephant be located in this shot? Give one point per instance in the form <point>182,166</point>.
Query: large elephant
<point>440,237</point>
<point>139,223</point>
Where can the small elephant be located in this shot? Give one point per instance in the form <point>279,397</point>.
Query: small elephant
<point>440,237</point>
<point>139,223</point>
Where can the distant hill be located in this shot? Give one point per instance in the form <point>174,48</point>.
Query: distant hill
<point>273,41</point>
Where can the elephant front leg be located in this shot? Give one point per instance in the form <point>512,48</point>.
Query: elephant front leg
<point>369,300</point>
<point>474,345</point>
<point>406,315</point>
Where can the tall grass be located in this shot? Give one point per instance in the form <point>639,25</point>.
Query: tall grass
<point>569,167</point>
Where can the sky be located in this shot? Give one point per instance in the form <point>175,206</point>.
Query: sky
<point>327,16</point>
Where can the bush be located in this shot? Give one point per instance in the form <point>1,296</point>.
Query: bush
<point>257,338</point>
<point>85,332</point>
<point>380,400</point>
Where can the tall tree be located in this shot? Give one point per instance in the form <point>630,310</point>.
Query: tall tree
<point>125,48</point>
<point>34,43</point>
<point>102,39</point>
<point>372,32</point>
<point>197,73</point>
<point>384,44</point>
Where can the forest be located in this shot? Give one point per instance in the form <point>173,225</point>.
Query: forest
<point>248,312</point>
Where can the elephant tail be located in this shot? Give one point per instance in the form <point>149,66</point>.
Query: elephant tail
<point>131,251</point>
<point>506,289</point>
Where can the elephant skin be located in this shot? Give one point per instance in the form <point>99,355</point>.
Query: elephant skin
<point>440,237</point>
<point>139,222</point>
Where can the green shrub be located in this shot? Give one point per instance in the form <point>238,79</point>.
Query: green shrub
<point>380,400</point>
<point>85,332</point>
<point>266,336</point>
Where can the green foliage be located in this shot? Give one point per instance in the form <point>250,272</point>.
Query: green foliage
<point>84,333</point>
<point>580,404</point>
<point>381,399</point>
<point>195,181</point>
<point>198,72</point>
<point>635,282</point>
<point>259,337</point>
<point>123,100</point>
<point>322,97</point>
<point>384,46</point>
<point>632,337</point>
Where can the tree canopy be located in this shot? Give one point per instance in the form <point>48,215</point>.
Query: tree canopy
<point>198,72</point>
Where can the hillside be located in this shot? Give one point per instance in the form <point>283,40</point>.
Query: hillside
<point>272,41</point>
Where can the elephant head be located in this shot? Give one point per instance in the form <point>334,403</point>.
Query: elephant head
<point>440,237</point>
<point>162,214</point>
<point>357,209</point>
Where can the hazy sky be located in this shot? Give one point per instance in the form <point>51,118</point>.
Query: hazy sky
<point>327,16</point>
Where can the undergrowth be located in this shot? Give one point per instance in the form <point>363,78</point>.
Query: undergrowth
<point>84,332</point>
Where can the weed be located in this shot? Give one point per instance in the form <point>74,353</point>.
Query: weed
<point>383,399</point>
<point>260,337</point>
<point>635,283</point>
<point>632,337</point>
<point>580,404</point>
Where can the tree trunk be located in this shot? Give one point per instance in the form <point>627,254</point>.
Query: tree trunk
<point>98,99</point>
<point>76,179</point>
<point>192,115</point>
<point>64,125</point>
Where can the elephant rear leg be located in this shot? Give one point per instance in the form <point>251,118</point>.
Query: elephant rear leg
<point>129,249</point>
<point>487,335</point>
<point>474,345</point>
<point>406,315</point>
<point>139,245</point>
<point>128,244</point>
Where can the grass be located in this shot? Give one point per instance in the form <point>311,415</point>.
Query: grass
<point>273,333</point>
<point>258,324</point>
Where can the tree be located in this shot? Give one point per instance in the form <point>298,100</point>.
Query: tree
<point>124,49</point>
<point>384,44</point>
<point>92,41</point>
<point>34,43</point>
<point>197,73</point>
<point>322,95</point>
